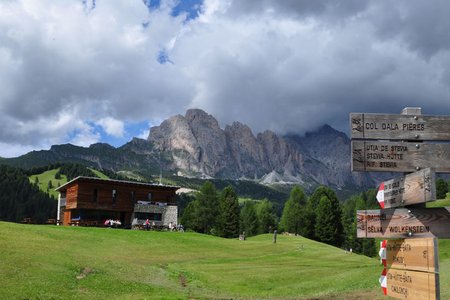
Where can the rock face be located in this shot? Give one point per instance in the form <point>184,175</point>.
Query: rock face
<point>199,147</point>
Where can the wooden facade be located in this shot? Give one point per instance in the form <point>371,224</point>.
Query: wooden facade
<point>91,201</point>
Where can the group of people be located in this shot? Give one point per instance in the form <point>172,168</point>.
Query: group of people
<point>147,225</point>
<point>112,223</point>
<point>174,227</point>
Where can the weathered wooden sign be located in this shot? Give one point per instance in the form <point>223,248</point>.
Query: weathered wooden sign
<point>399,127</point>
<point>404,223</point>
<point>414,188</point>
<point>405,284</point>
<point>411,254</point>
<point>399,157</point>
<point>412,261</point>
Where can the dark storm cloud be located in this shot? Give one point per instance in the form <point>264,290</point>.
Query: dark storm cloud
<point>327,9</point>
<point>423,26</point>
<point>333,58</point>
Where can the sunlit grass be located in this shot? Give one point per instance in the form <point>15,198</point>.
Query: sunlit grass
<point>97,263</point>
<point>44,179</point>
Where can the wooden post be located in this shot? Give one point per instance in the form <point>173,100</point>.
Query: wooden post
<point>393,143</point>
<point>58,209</point>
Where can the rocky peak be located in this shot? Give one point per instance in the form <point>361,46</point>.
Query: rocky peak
<point>138,145</point>
<point>199,118</point>
<point>275,149</point>
<point>244,149</point>
<point>239,131</point>
<point>199,146</point>
<point>326,131</point>
<point>101,146</point>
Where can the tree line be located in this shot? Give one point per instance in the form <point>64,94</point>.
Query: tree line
<point>21,199</point>
<point>442,189</point>
<point>219,213</point>
<point>320,217</point>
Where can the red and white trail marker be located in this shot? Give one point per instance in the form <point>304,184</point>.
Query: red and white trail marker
<point>380,195</point>
<point>414,188</point>
<point>383,281</point>
<point>382,252</point>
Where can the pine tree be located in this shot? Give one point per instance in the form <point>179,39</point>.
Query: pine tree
<point>228,222</point>
<point>207,208</point>
<point>293,218</point>
<point>189,217</point>
<point>266,216</point>
<point>358,245</point>
<point>441,188</point>
<point>248,219</point>
<point>328,225</point>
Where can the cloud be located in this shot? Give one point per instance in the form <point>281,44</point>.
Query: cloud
<point>70,69</point>
<point>144,134</point>
<point>112,126</point>
<point>84,136</point>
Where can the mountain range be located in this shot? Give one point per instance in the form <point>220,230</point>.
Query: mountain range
<point>194,145</point>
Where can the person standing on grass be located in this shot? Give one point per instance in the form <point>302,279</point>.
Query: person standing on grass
<point>147,224</point>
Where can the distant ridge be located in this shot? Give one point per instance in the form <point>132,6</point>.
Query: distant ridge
<point>194,145</point>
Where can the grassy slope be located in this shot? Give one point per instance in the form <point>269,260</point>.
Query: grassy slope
<point>99,174</point>
<point>44,262</point>
<point>439,203</point>
<point>45,177</point>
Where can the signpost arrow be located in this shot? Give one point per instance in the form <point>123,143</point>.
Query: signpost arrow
<point>399,157</point>
<point>380,195</point>
<point>414,188</point>
<point>403,223</point>
<point>399,127</point>
<point>406,284</point>
<point>410,254</point>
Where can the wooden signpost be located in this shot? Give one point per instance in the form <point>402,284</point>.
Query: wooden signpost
<point>399,156</point>
<point>415,254</point>
<point>394,143</point>
<point>406,284</point>
<point>403,223</point>
<point>414,188</point>
<point>399,127</point>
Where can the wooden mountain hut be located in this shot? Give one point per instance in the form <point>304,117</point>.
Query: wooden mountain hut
<point>91,201</point>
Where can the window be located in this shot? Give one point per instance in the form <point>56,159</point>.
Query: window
<point>133,197</point>
<point>95,195</point>
<point>150,216</point>
<point>149,197</point>
<point>114,196</point>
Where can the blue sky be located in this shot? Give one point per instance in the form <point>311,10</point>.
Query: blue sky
<point>190,8</point>
<point>84,71</point>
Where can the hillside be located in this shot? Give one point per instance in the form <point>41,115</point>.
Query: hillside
<point>20,199</point>
<point>48,181</point>
<point>95,263</point>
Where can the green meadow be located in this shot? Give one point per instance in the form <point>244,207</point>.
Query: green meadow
<point>46,177</point>
<point>53,262</point>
